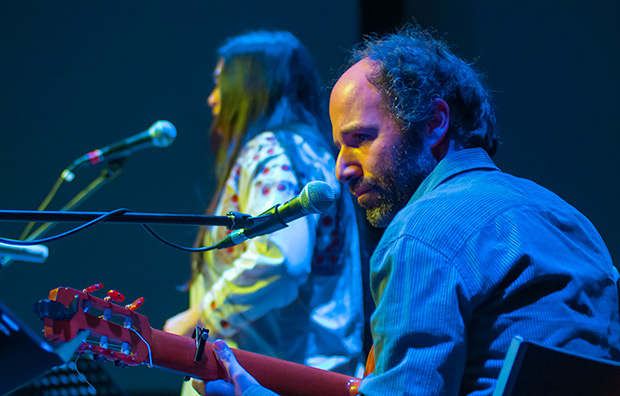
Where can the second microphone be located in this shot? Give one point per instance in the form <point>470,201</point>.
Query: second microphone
<point>316,197</point>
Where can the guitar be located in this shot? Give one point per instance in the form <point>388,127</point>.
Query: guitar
<point>120,334</point>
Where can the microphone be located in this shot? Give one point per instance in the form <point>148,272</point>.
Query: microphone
<point>160,134</point>
<point>316,197</point>
<point>32,253</point>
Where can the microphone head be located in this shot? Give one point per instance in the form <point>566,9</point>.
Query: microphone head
<point>317,197</point>
<point>163,133</point>
<point>30,253</point>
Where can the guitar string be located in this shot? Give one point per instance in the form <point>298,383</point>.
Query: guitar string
<point>147,345</point>
<point>82,376</point>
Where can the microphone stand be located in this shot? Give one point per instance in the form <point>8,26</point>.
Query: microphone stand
<point>233,220</point>
<point>106,176</point>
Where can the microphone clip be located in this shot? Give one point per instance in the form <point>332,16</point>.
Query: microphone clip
<point>240,220</point>
<point>244,223</point>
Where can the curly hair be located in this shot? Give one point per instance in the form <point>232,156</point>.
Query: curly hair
<point>414,67</point>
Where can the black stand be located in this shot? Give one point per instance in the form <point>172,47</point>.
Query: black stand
<point>83,377</point>
<point>25,356</point>
<point>233,221</point>
<point>106,176</point>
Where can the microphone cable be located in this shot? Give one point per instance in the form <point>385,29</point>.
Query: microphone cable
<point>175,245</point>
<point>66,233</point>
<point>99,220</point>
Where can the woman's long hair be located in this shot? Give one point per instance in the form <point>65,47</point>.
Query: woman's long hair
<point>267,79</point>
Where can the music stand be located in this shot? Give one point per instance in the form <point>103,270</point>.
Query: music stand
<point>83,377</point>
<point>24,355</point>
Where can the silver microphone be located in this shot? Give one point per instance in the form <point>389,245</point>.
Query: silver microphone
<point>30,253</point>
<point>160,134</point>
<point>316,197</point>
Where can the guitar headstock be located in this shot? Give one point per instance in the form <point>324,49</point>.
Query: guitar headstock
<point>117,333</point>
<point>120,334</point>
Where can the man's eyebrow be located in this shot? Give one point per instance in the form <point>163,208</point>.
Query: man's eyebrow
<point>349,130</point>
<point>371,130</point>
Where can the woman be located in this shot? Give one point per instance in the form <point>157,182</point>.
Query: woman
<point>294,294</point>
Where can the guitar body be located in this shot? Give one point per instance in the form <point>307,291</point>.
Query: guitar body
<point>122,335</point>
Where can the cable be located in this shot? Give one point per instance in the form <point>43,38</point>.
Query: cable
<point>82,376</point>
<point>67,233</point>
<point>172,244</point>
<point>147,346</point>
<point>98,220</point>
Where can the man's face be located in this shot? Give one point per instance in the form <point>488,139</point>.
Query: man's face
<point>382,164</point>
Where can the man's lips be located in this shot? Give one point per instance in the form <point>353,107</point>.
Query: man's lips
<point>366,194</point>
<point>362,186</point>
<point>360,191</point>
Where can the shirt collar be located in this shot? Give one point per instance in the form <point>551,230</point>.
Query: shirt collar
<point>454,163</point>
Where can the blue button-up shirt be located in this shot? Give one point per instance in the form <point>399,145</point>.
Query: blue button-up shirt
<point>475,258</point>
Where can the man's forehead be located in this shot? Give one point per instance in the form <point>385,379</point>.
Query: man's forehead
<point>358,73</point>
<point>354,84</point>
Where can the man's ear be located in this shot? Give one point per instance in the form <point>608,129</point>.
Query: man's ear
<point>437,129</point>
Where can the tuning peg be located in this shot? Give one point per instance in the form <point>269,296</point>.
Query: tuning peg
<point>92,288</point>
<point>114,296</point>
<point>135,305</point>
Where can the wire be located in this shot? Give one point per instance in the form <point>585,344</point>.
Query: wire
<point>98,220</point>
<point>82,376</point>
<point>147,346</point>
<point>174,245</point>
<point>67,233</point>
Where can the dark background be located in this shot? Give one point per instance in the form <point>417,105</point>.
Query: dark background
<point>75,76</point>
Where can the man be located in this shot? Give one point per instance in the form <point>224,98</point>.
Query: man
<point>471,256</point>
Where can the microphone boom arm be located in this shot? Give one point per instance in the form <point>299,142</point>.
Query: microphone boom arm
<point>233,220</point>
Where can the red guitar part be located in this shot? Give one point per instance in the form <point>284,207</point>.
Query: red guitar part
<point>135,305</point>
<point>137,343</point>
<point>115,296</point>
<point>92,288</point>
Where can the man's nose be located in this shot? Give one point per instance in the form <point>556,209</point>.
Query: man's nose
<point>347,168</point>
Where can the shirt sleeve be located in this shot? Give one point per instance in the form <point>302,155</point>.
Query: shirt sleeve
<point>258,390</point>
<point>419,331</point>
<point>266,272</point>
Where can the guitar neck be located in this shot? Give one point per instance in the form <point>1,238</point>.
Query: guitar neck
<point>285,378</point>
<point>67,312</point>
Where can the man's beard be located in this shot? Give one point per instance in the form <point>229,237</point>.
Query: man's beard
<point>397,180</point>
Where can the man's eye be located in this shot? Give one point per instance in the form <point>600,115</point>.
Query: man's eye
<point>362,137</point>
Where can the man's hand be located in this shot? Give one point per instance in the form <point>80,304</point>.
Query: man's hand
<point>237,379</point>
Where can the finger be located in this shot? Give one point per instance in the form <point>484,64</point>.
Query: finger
<point>219,388</point>
<point>225,356</point>
<point>199,386</point>
<point>211,388</point>
<point>236,373</point>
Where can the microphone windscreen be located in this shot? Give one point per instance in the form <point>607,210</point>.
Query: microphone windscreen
<point>163,133</point>
<point>317,197</point>
<point>30,253</point>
